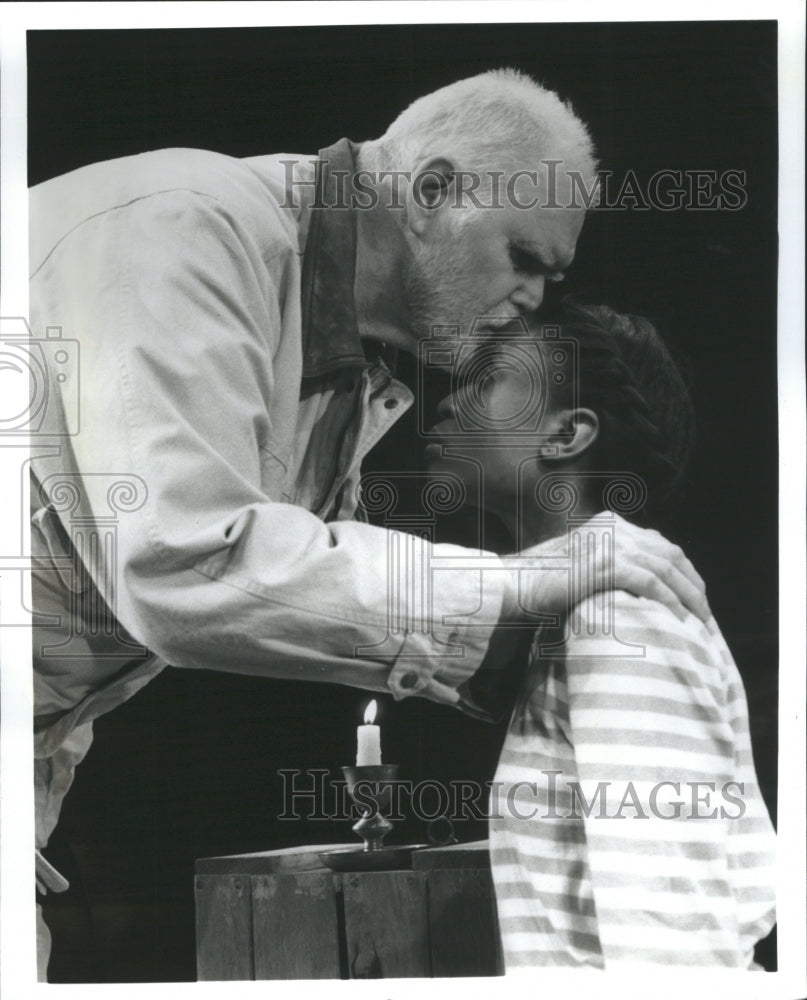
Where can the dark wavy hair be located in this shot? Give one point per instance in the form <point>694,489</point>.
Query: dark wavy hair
<point>628,376</point>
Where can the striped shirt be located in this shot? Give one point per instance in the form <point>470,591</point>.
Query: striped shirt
<point>627,825</point>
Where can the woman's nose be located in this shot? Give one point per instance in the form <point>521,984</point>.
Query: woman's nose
<point>447,407</point>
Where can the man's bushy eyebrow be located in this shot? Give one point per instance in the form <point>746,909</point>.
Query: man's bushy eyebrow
<point>537,254</point>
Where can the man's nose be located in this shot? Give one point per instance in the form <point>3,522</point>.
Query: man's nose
<point>530,293</point>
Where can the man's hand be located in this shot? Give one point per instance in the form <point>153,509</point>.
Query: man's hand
<point>605,553</point>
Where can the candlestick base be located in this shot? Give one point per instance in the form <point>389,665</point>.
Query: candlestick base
<point>371,783</point>
<point>372,830</point>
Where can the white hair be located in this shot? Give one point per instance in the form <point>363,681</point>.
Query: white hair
<point>499,120</point>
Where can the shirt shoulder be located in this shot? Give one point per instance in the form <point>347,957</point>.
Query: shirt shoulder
<point>638,676</point>
<point>618,634</point>
<point>60,206</point>
<point>601,616</point>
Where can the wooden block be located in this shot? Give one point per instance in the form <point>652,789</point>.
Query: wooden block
<point>463,925</point>
<point>295,926</point>
<point>472,855</point>
<point>289,859</point>
<point>386,923</point>
<point>223,928</point>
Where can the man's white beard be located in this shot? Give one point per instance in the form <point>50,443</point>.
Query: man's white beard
<point>438,289</point>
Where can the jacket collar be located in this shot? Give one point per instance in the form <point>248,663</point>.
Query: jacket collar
<point>330,329</point>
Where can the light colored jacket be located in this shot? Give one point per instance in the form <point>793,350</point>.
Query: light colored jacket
<point>195,469</point>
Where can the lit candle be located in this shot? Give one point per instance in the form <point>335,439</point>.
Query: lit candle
<point>369,746</point>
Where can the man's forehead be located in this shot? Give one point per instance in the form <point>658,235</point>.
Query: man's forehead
<point>552,180</point>
<point>538,224</point>
<point>548,233</point>
<point>554,255</point>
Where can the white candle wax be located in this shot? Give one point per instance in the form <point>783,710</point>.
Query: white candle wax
<point>368,751</point>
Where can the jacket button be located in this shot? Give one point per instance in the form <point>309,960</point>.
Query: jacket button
<point>409,679</point>
<point>390,404</point>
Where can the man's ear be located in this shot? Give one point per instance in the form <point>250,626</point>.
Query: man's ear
<point>429,193</point>
<point>572,433</point>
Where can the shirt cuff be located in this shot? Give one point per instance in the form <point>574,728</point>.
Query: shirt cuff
<point>465,603</point>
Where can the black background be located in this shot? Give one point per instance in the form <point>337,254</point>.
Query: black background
<point>188,767</point>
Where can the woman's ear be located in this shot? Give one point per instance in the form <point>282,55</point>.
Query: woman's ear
<point>429,193</point>
<point>572,433</point>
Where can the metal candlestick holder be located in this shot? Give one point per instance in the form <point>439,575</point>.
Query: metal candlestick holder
<point>371,782</point>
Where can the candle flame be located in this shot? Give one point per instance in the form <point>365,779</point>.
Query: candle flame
<point>369,713</point>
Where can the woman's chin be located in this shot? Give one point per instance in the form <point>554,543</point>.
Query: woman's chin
<point>432,455</point>
<point>436,463</point>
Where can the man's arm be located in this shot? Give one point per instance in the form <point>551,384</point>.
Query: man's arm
<point>603,554</point>
<point>183,361</point>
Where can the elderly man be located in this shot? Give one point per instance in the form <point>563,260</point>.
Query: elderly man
<point>198,504</point>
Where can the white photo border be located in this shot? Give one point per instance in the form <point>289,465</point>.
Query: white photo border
<point>16,819</point>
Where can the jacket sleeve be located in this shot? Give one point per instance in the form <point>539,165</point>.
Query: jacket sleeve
<point>668,798</point>
<point>180,314</point>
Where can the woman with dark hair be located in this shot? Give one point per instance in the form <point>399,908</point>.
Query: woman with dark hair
<point>627,826</point>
